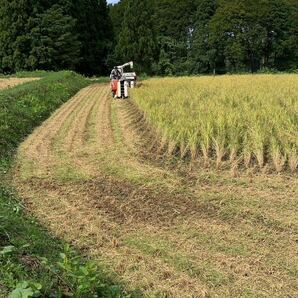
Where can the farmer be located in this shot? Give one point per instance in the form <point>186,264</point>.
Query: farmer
<point>115,76</point>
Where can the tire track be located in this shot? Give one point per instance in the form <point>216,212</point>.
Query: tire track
<point>38,146</point>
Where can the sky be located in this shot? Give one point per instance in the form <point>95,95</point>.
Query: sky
<point>113,1</point>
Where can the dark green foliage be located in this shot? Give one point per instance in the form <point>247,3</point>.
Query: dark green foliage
<point>14,17</point>
<point>54,35</point>
<point>203,51</point>
<point>173,20</point>
<point>173,17</point>
<point>136,40</point>
<point>54,43</point>
<point>253,34</point>
<point>24,107</point>
<point>95,34</point>
<point>211,36</point>
<point>164,37</point>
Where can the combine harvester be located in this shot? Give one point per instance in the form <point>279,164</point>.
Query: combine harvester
<point>121,81</point>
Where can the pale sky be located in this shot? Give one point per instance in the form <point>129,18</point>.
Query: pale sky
<point>113,1</point>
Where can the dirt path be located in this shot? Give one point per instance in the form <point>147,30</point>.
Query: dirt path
<point>85,175</point>
<point>11,82</point>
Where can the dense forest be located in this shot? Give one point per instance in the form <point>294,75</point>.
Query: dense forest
<point>55,35</point>
<point>163,37</point>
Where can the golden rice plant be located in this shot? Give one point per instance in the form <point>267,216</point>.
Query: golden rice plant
<point>244,120</point>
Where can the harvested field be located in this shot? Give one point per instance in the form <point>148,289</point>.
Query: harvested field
<point>12,82</point>
<point>170,230</point>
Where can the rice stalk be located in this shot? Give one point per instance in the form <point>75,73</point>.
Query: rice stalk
<point>231,118</point>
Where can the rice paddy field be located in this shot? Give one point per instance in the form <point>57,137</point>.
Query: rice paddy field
<point>238,121</point>
<point>143,187</point>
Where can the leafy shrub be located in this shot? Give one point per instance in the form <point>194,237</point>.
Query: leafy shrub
<point>68,276</point>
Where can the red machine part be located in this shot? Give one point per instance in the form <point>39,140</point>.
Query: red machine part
<point>114,85</point>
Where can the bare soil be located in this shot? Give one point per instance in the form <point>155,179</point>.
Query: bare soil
<point>167,228</point>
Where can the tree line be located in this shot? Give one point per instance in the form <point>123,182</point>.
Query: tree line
<point>55,35</point>
<point>169,37</point>
<point>163,37</point>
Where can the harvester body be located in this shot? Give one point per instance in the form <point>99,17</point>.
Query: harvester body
<point>122,81</point>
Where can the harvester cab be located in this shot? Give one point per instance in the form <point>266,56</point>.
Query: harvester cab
<point>121,81</point>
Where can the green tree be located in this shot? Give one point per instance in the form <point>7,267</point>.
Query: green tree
<point>203,53</point>
<point>173,23</point>
<point>137,39</point>
<point>173,18</point>
<point>94,29</point>
<point>280,21</point>
<point>253,34</point>
<point>162,36</point>
<point>116,12</point>
<point>239,33</point>
<point>54,34</point>
<point>54,42</point>
<point>14,42</point>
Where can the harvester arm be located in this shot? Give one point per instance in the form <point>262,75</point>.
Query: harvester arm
<point>126,64</point>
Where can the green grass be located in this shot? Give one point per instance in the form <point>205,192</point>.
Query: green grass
<point>105,79</point>
<point>28,74</point>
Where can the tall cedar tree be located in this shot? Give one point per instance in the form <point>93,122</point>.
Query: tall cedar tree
<point>14,41</point>
<point>136,39</point>
<point>116,13</point>
<point>203,52</point>
<point>173,21</point>
<point>54,43</point>
<point>95,33</point>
